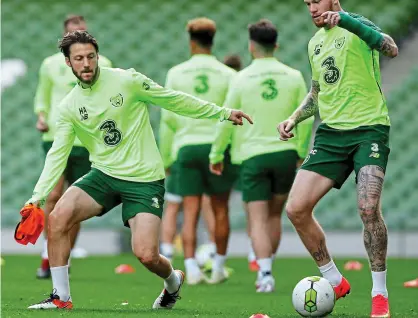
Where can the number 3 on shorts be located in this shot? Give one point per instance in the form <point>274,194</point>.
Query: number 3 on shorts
<point>375,147</point>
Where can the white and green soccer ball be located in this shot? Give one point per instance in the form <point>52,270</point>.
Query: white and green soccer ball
<point>313,297</point>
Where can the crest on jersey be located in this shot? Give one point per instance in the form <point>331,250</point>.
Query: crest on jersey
<point>339,43</point>
<point>117,101</point>
<point>318,48</point>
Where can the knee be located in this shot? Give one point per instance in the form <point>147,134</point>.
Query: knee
<point>298,212</point>
<point>59,220</point>
<point>149,258</point>
<point>369,211</point>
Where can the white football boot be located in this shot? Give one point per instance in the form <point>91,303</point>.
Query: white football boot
<point>167,300</point>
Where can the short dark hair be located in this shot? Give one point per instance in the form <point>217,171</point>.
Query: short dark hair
<point>202,30</point>
<point>76,37</point>
<point>264,32</point>
<point>233,61</point>
<point>73,18</point>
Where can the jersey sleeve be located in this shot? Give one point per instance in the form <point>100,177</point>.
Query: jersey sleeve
<point>225,130</point>
<point>43,91</point>
<point>180,103</point>
<point>167,131</point>
<point>315,74</point>
<point>56,159</point>
<point>304,128</point>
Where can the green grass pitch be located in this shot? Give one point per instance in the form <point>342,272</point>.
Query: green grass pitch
<point>98,292</point>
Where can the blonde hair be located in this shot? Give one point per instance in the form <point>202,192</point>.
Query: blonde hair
<point>202,30</point>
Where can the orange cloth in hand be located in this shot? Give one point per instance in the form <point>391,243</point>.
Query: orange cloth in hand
<point>31,225</point>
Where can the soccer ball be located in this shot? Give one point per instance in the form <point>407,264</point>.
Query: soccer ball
<point>313,297</point>
<point>204,254</point>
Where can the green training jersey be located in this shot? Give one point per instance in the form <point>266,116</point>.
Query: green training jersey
<point>111,120</point>
<point>348,73</point>
<point>202,76</point>
<point>56,80</point>
<point>269,92</point>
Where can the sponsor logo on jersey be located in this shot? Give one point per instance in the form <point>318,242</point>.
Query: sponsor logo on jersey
<point>83,113</point>
<point>318,48</point>
<point>145,86</point>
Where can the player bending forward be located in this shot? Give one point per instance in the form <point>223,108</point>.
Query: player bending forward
<point>354,135</point>
<point>51,90</point>
<point>107,111</point>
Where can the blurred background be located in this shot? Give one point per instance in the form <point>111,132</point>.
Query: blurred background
<point>150,36</point>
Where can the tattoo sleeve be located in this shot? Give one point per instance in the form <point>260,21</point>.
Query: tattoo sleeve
<point>369,189</point>
<point>388,46</point>
<point>309,105</point>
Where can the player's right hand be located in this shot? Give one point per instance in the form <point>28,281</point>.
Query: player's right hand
<point>41,124</point>
<point>36,203</point>
<point>237,116</point>
<point>285,129</point>
<point>217,168</point>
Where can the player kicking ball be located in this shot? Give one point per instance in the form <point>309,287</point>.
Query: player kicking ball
<point>107,111</point>
<point>354,135</point>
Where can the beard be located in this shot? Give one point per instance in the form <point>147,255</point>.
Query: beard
<point>88,81</point>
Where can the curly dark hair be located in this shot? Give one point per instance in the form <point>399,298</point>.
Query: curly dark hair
<point>76,37</point>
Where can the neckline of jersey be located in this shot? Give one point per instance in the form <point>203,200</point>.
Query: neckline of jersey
<point>264,59</point>
<point>203,56</point>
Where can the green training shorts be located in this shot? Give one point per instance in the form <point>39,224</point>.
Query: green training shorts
<point>194,177</point>
<point>268,174</point>
<point>136,197</point>
<point>171,191</point>
<point>336,153</point>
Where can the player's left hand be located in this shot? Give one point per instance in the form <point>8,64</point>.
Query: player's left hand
<point>237,116</point>
<point>332,18</point>
<point>217,168</point>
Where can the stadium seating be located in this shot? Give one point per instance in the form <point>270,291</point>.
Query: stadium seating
<point>150,36</point>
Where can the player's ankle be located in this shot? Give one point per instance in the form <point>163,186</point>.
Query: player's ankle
<point>379,284</point>
<point>331,273</point>
<point>266,265</point>
<point>218,262</point>
<point>192,267</point>
<point>172,282</point>
<point>60,281</point>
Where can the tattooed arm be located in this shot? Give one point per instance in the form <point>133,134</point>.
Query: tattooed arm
<point>364,29</point>
<point>307,109</point>
<point>388,47</point>
<point>309,105</point>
